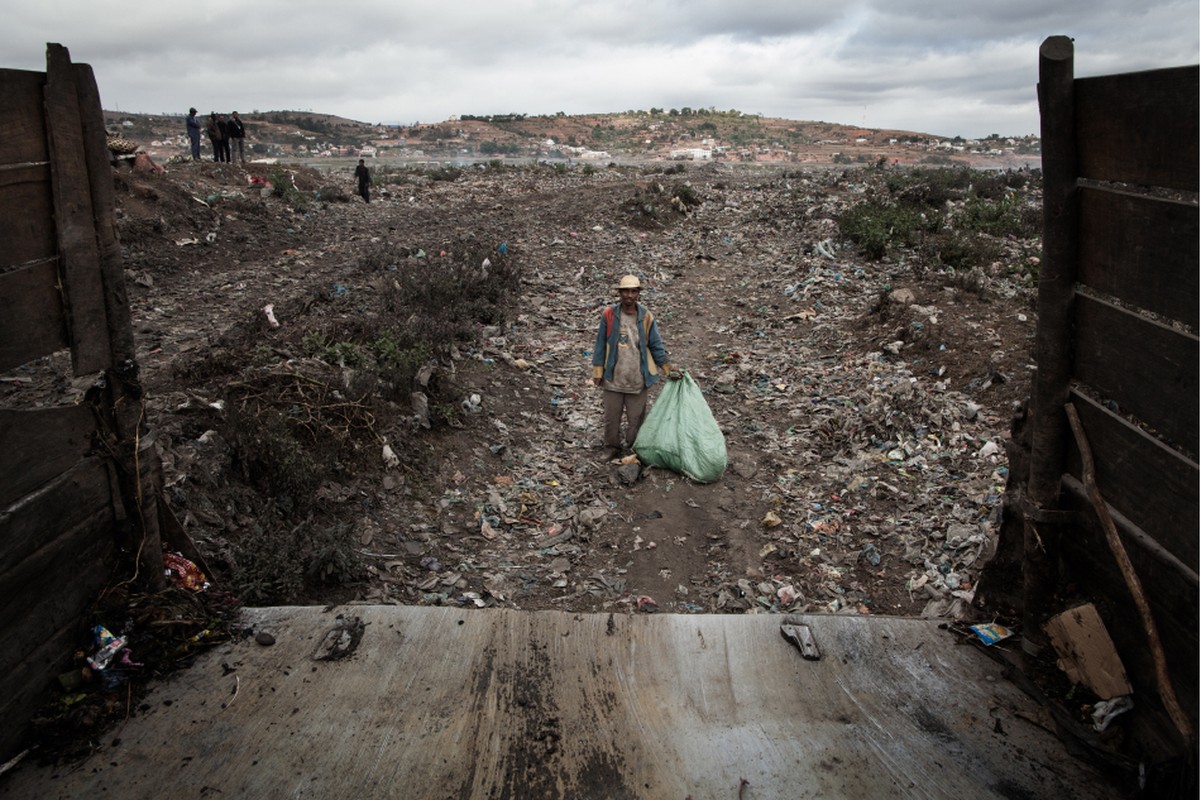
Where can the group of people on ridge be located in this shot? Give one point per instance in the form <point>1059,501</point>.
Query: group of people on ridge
<point>228,136</point>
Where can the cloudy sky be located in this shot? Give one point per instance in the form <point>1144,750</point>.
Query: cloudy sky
<point>949,68</point>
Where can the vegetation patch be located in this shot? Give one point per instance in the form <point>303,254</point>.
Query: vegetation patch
<point>953,218</point>
<point>307,405</point>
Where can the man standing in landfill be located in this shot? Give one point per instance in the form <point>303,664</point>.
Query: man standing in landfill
<point>223,124</point>
<point>363,175</point>
<point>194,133</point>
<point>216,133</point>
<point>627,360</point>
<point>236,133</point>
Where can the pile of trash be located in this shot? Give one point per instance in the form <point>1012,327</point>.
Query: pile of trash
<point>865,403</point>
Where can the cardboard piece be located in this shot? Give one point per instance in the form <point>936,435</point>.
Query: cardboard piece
<point>1086,653</point>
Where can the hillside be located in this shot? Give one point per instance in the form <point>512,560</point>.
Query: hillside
<point>627,137</point>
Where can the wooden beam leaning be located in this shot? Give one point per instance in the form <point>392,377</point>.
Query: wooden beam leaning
<point>1166,691</point>
<point>79,257</point>
<point>1057,276</point>
<point>1151,483</point>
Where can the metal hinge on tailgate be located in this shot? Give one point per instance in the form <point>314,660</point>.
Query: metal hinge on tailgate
<point>798,633</point>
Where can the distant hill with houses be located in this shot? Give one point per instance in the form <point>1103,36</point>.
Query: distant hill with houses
<point>654,135</point>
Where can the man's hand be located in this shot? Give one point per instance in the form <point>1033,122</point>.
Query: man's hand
<point>675,375</point>
<point>596,381</point>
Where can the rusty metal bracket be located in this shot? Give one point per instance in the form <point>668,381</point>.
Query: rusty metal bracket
<point>799,635</point>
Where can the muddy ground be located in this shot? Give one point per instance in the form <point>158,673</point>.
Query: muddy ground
<point>865,403</point>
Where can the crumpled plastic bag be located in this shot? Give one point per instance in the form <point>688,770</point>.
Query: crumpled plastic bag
<point>680,434</point>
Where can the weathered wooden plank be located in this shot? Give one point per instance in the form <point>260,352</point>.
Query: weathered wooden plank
<point>1151,484</point>
<point>1148,369</point>
<point>26,206</point>
<point>22,127</point>
<point>1173,600</point>
<point>1139,127</point>
<point>58,506</point>
<point>32,323</point>
<point>112,271</point>
<point>86,320</point>
<point>29,683</point>
<point>36,649</point>
<point>56,584</point>
<point>1142,249</point>
<point>36,172</point>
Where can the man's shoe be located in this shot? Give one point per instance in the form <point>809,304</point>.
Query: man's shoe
<point>610,453</point>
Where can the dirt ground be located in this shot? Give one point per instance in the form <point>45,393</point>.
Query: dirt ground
<point>865,404</point>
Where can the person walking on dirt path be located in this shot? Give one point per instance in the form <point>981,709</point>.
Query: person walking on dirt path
<point>194,133</point>
<point>627,360</point>
<point>216,136</point>
<point>236,136</point>
<point>363,175</point>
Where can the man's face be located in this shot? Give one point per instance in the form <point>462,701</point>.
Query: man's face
<point>629,298</point>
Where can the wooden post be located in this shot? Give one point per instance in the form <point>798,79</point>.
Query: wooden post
<point>1053,351</point>
<point>74,223</point>
<point>94,280</point>
<point>100,174</point>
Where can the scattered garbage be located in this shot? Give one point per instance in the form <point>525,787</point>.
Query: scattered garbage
<point>107,646</point>
<point>990,633</point>
<point>646,604</point>
<point>184,573</point>
<point>391,460</point>
<point>1086,652</point>
<point>1106,711</point>
<point>857,400</point>
<point>340,640</point>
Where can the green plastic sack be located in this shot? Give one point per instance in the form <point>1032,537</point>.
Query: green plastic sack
<point>680,433</point>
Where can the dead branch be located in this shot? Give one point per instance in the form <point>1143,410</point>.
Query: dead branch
<point>1163,681</point>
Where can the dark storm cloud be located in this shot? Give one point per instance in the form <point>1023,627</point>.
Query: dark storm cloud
<point>943,67</point>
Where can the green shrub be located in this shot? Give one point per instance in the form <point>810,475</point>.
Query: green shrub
<point>1006,216</point>
<point>962,249</point>
<point>283,186</point>
<point>341,354</point>
<point>274,563</point>
<point>879,228</point>
<point>449,174</point>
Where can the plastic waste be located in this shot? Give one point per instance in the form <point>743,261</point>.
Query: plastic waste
<point>680,434</point>
<point>1105,711</point>
<point>108,645</point>
<point>184,573</point>
<point>990,633</point>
